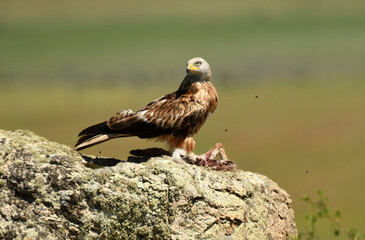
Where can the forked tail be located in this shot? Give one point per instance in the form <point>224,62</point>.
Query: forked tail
<point>96,134</point>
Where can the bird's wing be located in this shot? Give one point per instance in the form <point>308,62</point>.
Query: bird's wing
<point>167,115</point>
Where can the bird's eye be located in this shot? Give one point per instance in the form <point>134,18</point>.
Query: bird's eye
<point>198,63</point>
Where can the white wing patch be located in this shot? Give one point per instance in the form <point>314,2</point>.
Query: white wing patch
<point>141,115</point>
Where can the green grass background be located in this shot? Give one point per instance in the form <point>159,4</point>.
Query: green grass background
<point>68,64</point>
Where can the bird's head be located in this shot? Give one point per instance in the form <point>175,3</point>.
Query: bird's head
<point>197,66</point>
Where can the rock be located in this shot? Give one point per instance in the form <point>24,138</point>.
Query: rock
<point>49,191</point>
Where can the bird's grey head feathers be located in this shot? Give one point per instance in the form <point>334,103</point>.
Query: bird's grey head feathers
<point>197,66</point>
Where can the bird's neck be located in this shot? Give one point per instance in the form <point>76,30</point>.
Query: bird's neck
<point>189,82</point>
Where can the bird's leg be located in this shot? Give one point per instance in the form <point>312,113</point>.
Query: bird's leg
<point>179,155</point>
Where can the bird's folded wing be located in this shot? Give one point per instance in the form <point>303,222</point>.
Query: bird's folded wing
<point>162,116</point>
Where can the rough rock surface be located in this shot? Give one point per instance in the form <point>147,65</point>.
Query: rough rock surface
<point>49,191</point>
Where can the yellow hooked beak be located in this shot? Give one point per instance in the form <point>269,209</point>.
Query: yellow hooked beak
<point>191,68</point>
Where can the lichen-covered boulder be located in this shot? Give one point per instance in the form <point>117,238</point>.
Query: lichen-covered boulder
<point>49,191</point>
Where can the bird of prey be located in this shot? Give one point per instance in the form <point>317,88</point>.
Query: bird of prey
<point>173,118</point>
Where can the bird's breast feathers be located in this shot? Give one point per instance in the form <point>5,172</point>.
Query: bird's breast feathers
<point>206,96</point>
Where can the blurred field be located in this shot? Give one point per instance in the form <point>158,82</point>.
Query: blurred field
<point>64,66</point>
<point>244,42</point>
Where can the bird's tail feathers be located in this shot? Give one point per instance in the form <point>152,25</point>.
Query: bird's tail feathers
<point>95,129</point>
<point>91,140</point>
<point>88,141</point>
<point>96,134</point>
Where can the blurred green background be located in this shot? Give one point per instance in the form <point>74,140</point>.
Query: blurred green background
<point>65,65</point>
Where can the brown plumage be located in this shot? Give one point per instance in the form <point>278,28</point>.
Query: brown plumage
<point>173,118</point>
